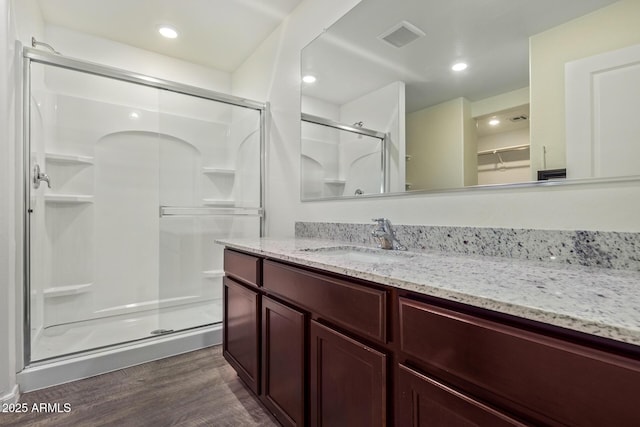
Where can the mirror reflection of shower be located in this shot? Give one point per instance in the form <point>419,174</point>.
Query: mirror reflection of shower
<point>340,159</point>
<point>332,167</point>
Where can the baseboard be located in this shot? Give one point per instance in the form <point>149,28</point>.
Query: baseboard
<point>12,397</point>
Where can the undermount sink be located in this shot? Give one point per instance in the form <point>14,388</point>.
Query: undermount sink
<point>362,254</point>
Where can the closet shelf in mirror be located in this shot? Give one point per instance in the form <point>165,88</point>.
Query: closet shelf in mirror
<point>217,202</point>
<point>63,291</point>
<point>505,149</point>
<point>68,158</point>
<point>68,198</point>
<point>212,274</point>
<point>218,171</point>
<point>503,167</point>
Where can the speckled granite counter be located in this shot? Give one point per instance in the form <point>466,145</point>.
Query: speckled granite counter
<point>598,301</point>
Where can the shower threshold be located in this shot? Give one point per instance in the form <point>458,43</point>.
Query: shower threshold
<point>96,362</point>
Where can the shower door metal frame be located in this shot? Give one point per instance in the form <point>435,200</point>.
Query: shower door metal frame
<point>31,55</point>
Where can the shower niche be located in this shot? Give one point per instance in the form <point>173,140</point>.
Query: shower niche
<point>143,180</point>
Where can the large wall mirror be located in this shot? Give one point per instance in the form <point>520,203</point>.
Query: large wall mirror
<point>415,95</point>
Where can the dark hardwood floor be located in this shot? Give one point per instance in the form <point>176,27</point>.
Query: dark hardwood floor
<point>193,389</point>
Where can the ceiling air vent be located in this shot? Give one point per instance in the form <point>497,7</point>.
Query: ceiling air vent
<point>520,118</point>
<point>401,34</point>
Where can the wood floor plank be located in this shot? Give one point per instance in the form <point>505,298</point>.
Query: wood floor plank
<point>193,389</point>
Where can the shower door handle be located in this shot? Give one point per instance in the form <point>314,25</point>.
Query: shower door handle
<point>39,176</point>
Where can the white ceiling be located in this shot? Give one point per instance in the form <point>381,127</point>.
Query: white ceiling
<point>219,34</point>
<point>492,36</point>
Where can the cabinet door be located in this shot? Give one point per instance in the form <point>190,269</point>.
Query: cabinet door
<point>348,384</point>
<point>423,402</point>
<point>241,341</point>
<point>283,357</point>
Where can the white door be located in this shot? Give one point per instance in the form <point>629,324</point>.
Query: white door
<point>603,114</point>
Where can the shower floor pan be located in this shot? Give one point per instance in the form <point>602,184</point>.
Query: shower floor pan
<point>102,345</point>
<point>97,333</point>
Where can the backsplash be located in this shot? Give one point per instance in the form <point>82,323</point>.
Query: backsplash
<point>587,248</point>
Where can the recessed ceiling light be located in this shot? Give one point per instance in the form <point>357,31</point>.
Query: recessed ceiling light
<point>168,32</point>
<point>309,78</point>
<point>494,122</point>
<point>459,66</point>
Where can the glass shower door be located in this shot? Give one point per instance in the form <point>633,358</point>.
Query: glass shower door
<point>93,211</point>
<point>209,189</point>
<point>142,181</point>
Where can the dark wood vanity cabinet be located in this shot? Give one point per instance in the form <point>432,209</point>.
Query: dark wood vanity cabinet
<point>347,379</point>
<point>301,341</point>
<point>326,350</point>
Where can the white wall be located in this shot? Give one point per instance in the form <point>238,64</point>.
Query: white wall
<point>434,142</point>
<point>610,28</point>
<point>95,49</point>
<point>504,101</point>
<point>8,388</point>
<point>273,73</point>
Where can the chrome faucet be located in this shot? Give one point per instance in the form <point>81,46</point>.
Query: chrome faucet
<point>385,235</point>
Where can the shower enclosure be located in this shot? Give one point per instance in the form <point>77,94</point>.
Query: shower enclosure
<point>129,179</point>
<point>338,159</point>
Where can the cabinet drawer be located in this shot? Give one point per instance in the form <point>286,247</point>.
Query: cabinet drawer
<point>242,266</point>
<point>543,377</point>
<point>423,401</point>
<point>350,305</point>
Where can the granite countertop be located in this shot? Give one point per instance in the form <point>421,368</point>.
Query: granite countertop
<point>599,301</point>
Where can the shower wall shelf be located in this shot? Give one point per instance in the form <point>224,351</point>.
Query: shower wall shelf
<point>68,158</point>
<point>218,171</point>
<point>64,291</point>
<point>215,202</point>
<point>335,181</point>
<point>68,198</point>
<point>213,274</point>
<point>492,167</point>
